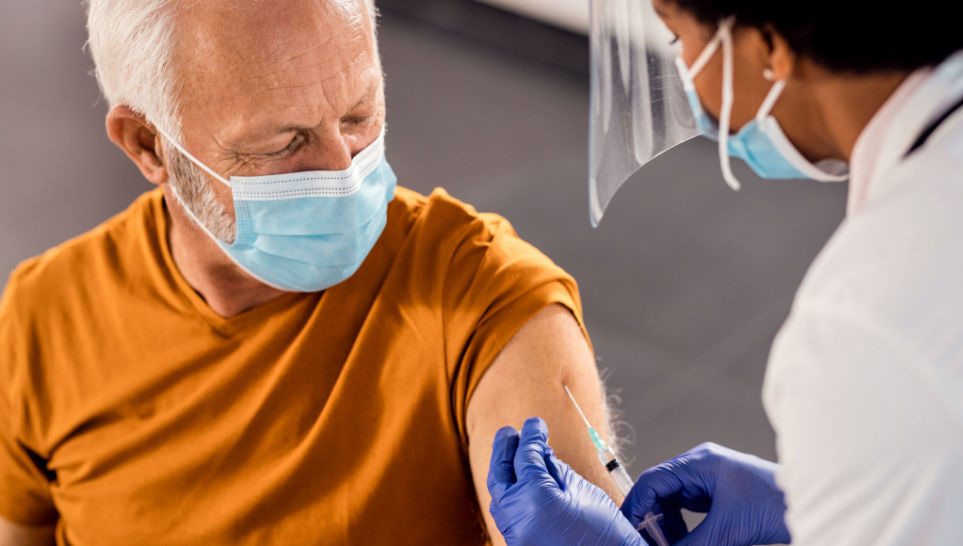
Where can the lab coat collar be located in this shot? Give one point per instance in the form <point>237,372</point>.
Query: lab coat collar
<point>862,164</point>
<point>882,146</point>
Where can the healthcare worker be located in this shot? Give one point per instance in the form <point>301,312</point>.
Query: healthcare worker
<point>865,381</point>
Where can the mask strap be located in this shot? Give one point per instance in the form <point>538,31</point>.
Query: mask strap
<point>767,105</point>
<point>725,116</point>
<point>703,59</point>
<point>191,157</point>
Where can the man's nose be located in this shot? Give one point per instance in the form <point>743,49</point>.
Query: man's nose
<point>334,152</point>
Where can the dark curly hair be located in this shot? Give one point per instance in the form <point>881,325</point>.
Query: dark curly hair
<point>856,36</point>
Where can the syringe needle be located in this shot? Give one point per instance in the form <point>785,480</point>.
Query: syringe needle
<point>577,408</point>
<point>593,434</point>
<point>622,479</point>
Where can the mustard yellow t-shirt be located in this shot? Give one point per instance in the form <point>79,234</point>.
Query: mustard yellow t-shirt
<point>130,413</point>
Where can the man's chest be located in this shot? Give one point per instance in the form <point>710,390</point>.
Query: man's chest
<point>253,443</point>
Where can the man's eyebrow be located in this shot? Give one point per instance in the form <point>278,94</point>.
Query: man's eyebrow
<point>369,95</point>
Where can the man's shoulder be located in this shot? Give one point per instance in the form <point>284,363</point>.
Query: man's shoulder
<point>445,224</point>
<point>452,230</point>
<point>444,215</point>
<point>84,261</point>
<point>444,240</point>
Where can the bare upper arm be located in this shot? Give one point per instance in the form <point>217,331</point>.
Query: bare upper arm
<point>12,534</point>
<point>526,380</point>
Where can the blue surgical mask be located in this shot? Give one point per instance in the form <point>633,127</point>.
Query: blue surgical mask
<point>761,143</point>
<point>307,231</point>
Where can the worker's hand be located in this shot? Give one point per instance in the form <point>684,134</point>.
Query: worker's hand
<point>538,499</point>
<point>738,491</point>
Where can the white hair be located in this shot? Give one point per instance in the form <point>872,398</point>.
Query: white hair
<point>132,45</point>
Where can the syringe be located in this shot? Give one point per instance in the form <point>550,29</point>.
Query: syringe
<point>621,478</point>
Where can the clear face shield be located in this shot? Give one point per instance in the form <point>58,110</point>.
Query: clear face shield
<point>638,106</point>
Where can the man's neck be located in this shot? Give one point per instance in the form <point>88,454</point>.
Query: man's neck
<point>227,289</point>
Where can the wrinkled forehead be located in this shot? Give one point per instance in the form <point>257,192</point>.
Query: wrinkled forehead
<point>251,45</point>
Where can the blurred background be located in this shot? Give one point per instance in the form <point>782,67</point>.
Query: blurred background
<point>684,284</point>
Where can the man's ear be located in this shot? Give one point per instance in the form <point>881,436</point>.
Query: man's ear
<point>138,138</point>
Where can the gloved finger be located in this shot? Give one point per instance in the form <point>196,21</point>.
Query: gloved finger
<point>673,524</point>
<point>656,483</point>
<point>557,468</point>
<point>704,533</point>
<point>501,469</point>
<point>532,446</point>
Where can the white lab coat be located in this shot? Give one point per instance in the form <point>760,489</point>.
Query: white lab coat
<point>865,381</point>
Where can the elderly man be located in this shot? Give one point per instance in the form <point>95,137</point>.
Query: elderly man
<point>276,345</point>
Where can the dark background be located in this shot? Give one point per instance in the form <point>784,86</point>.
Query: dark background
<point>684,284</point>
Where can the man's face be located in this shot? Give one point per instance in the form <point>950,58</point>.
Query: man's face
<point>277,86</point>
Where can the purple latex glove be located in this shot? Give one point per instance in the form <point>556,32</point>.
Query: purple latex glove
<point>738,492</point>
<point>537,499</point>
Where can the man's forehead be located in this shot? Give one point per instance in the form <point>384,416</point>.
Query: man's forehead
<point>259,64</point>
<point>248,35</point>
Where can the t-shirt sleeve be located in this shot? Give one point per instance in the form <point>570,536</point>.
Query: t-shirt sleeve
<point>869,444</point>
<point>24,490</point>
<point>495,283</point>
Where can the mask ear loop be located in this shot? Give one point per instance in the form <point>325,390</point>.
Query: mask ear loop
<point>770,101</point>
<point>703,59</point>
<point>193,159</point>
<point>183,203</point>
<point>725,115</point>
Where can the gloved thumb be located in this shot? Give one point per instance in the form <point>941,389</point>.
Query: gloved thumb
<point>659,482</point>
<point>532,449</point>
<point>645,493</point>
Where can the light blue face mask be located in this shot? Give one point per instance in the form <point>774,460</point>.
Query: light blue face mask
<point>307,231</point>
<point>761,143</point>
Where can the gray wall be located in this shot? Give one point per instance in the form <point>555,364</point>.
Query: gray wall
<point>684,284</point>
